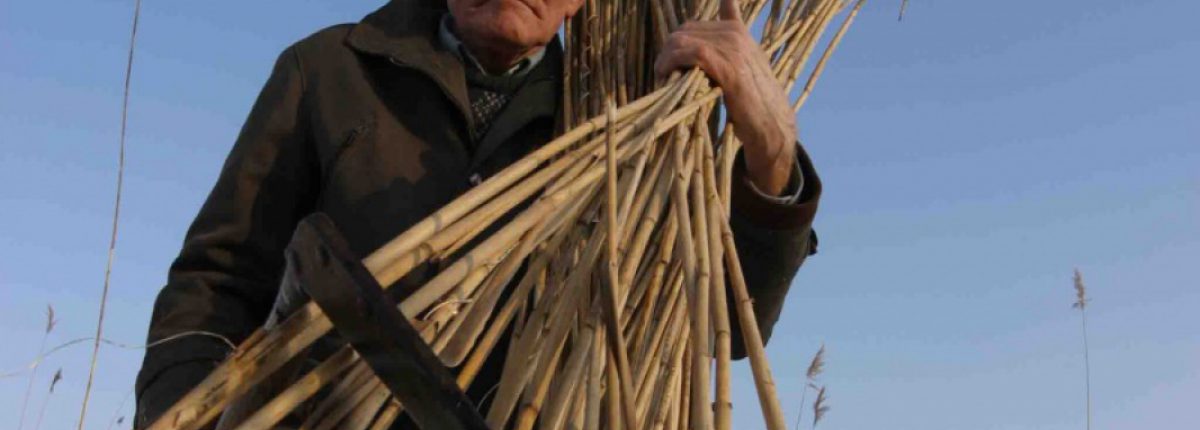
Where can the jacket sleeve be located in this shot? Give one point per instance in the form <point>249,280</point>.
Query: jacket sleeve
<point>773,239</point>
<point>225,278</point>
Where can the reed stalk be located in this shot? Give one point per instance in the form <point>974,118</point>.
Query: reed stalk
<point>46,400</point>
<point>1081,303</point>
<point>112,244</point>
<point>620,318</point>
<point>50,323</point>
<point>815,367</point>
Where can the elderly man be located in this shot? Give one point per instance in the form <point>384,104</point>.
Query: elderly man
<point>380,123</point>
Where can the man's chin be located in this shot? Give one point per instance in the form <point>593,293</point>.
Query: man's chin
<point>509,31</point>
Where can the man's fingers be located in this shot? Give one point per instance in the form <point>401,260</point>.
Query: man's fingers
<point>680,52</point>
<point>675,59</point>
<point>730,11</point>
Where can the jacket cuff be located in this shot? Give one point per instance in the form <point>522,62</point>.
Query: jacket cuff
<point>795,185</point>
<point>769,212</point>
<point>171,370</point>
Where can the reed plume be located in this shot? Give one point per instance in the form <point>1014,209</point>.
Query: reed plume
<point>45,401</point>
<point>50,323</point>
<point>815,367</point>
<point>57,377</point>
<point>819,406</point>
<point>1081,302</point>
<point>117,417</point>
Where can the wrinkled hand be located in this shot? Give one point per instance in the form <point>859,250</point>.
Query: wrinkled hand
<point>756,102</point>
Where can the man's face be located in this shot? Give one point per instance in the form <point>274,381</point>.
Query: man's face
<point>509,25</point>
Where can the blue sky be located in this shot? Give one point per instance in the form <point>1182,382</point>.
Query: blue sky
<point>972,156</point>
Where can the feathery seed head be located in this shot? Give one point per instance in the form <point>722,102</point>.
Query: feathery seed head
<point>817,365</point>
<point>819,406</point>
<point>1080,292</point>
<point>54,381</point>
<point>50,321</point>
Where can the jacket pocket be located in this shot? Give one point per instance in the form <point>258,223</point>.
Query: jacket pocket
<point>329,163</point>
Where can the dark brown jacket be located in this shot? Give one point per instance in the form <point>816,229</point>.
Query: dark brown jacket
<point>369,124</point>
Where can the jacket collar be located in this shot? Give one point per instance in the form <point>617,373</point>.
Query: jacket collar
<point>406,33</point>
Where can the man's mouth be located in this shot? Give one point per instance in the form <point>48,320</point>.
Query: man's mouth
<point>527,4</point>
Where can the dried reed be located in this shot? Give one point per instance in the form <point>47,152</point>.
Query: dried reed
<point>46,400</point>
<point>621,313</point>
<point>112,244</point>
<point>819,407</point>
<point>1081,302</point>
<point>815,367</point>
<point>50,323</point>
<point>117,418</point>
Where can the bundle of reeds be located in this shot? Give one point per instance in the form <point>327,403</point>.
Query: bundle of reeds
<point>620,313</point>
